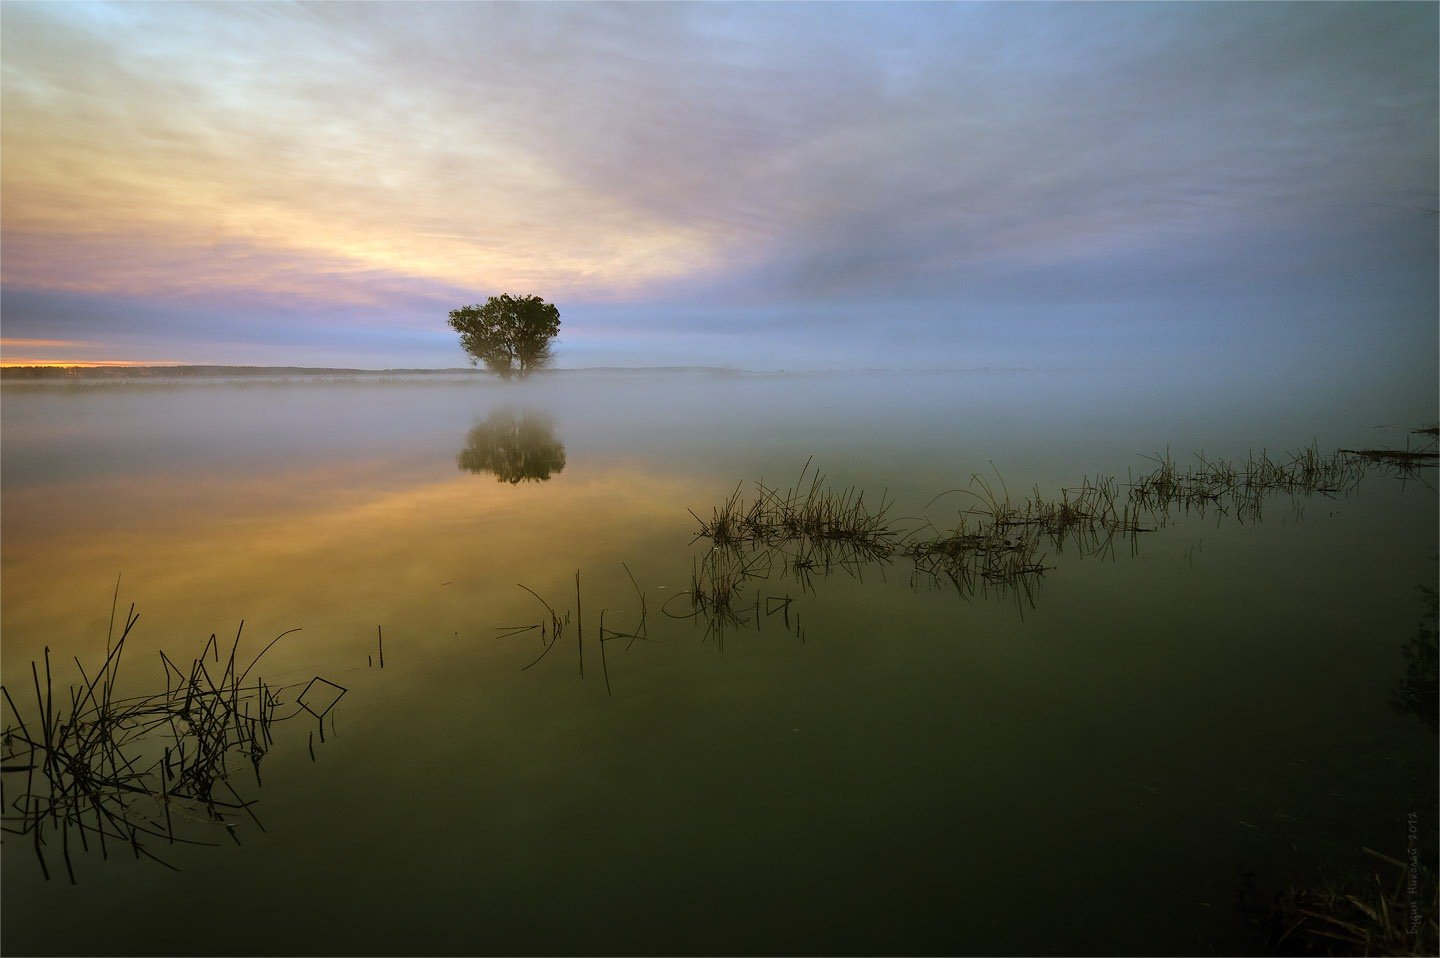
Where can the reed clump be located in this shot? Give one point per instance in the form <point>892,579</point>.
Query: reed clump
<point>989,543</point>
<point>718,592</point>
<point>717,581</point>
<point>1090,515</point>
<point>1240,489</point>
<point>997,546</point>
<point>996,543</point>
<point>1368,917</point>
<point>102,769</point>
<point>979,561</point>
<point>1405,463</point>
<point>806,530</point>
<point>717,588</point>
<point>809,514</point>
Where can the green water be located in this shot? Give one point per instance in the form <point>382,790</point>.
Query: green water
<point>887,766</point>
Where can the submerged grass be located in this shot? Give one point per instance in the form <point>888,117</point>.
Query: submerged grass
<point>101,768</point>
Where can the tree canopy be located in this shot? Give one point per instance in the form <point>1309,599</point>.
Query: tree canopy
<point>510,334</point>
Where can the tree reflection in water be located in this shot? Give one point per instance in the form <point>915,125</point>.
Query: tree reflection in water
<point>515,446</point>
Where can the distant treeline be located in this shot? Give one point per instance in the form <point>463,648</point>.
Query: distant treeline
<point>204,372</point>
<point>71,373</point>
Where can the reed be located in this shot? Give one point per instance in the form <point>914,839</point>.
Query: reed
<point>550,631</point>
<point>997,546</point>
<point>1404,463</point>
<point>1240,489</point>
<point>809,512</point>
<point>1366,916</point>
<point>716,592</point>
<point>638,634</point>
<point>553,627</point>
<point>122,769</point>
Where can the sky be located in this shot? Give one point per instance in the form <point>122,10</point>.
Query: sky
<point>764,186</point>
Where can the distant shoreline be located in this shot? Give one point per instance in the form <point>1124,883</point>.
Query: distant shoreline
<point>72,373</point>
<point>15,375</point>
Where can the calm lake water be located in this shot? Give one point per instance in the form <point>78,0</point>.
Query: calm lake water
<point>884,764</point>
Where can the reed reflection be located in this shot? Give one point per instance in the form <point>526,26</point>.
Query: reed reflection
<point>517,446</point>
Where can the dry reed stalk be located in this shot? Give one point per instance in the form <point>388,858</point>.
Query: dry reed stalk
<point>95,762</point>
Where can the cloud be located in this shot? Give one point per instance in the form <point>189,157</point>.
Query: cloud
<point>195,126</point>
<point>836,148</point>
<point>359,165</point>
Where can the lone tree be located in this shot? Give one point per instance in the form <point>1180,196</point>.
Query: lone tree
<point>509,334</point>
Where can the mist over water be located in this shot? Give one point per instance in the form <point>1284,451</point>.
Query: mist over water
<point>869,763</point>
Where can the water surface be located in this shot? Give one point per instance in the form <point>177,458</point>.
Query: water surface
<point>888,765</point>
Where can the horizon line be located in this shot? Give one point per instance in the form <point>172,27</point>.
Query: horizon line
<point>123,368</point>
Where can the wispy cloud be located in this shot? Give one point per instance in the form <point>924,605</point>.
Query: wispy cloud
<point>155,134</point>
<point>773,160</point>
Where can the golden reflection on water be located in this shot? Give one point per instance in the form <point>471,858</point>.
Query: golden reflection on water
<point>334,550</point>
